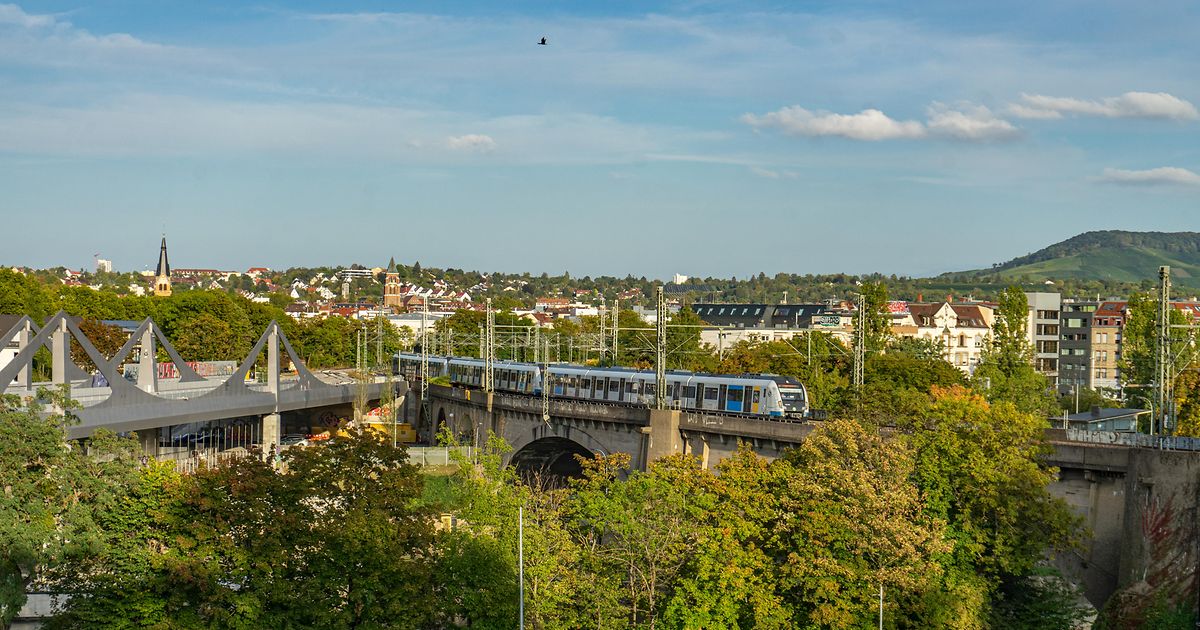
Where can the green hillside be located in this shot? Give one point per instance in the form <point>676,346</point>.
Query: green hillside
<point>1111,255</point>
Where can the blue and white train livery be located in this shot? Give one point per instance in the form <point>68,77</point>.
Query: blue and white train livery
<point>752,394</point>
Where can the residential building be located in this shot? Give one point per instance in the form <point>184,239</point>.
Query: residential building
<point>1108,322</point>
<point>9,351</point>
<point>103,266</point>
<point>781,316</point>
<point>961,330</point>
<point>1042,332</point>
<point>544,304</point>
<point>1100,419</point>
<point>1075,350</point>
<point>350,274</point>
<point>732,323</point>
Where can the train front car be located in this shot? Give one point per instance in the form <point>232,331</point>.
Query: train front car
<point>794,397</point>
<point>408,365</point>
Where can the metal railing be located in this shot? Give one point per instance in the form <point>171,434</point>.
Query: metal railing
<point>437,455</point>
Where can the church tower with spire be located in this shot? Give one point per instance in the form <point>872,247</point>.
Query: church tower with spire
<point>162,275</point>
<point>391,286</point>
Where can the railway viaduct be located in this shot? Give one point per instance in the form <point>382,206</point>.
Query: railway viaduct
<point>1138,499</point>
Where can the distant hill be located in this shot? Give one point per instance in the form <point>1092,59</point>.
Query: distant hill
<point>1111,255</point>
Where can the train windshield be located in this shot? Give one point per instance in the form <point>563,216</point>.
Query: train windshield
<point>793,398</point>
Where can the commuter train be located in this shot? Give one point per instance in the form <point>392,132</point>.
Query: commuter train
<point>753,394</point>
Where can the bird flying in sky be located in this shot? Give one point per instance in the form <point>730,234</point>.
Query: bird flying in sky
<point>543,42</point>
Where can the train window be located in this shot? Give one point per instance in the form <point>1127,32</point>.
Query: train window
<point>613,385</point>
<point>629,387</point>
<point>689,391</point>
<point>710,393</point>
<point>756,395</point>
<point>734,395</point>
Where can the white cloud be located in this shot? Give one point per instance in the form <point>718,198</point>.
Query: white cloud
<point>963,121</point>
<point>773,174</point>
<point>1033,113</point>
<point>475,142</point>
<point>869,124</point>
<point>1154,105</point>
<point>12,14</point>
<point>1161,176</point>
<point>153,125</point>
<point>969,122</point>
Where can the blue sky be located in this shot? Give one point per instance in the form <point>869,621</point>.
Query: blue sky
<point>706,138</point>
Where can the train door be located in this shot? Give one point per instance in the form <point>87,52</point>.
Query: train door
<point>698,390</point>
<point>710,397</point>
<point>734,396</point>
<point>755,397</point>
<point>721,396</point>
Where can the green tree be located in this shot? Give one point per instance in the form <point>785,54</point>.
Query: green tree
<point>732,578</point>
<point>1005,371</point>
<point>206,337</point>
<point>54,493</point>
<point>899,385</point>
<point>850,522</point>
<point>635,533</point>
<point>1139,356</point>
<point>684,349</point>
<point>336,539</point>
<point>979,467</point>
<point>125,582</point>
<point>106,338</point>
<point>878,326</point>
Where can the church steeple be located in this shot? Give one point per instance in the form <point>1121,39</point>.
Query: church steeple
<point>391,286</point>
<point>162,275</point>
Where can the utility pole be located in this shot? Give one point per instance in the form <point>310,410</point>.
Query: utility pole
<point>547,383</point>
<point>615,327</point>
<point>521,565</point>
<point>379,337</point>
<point>660,361</point>
<point>1162,362</point>
<point>603,335</point>
<point>489,349</point>
<point>425,358</point>
<point>860,345</point>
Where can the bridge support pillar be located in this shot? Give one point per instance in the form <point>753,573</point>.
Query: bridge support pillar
<point>148,438</point>
<point>60,350</point>
<point>25,376</point>
<point>703,452</point>
<point>663,436</point>
<point>271,431</point>
<point>147,376</point>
